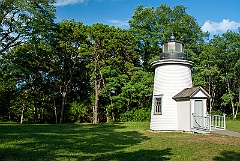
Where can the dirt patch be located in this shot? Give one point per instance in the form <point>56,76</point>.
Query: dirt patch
<point>210,138</point>
<point>216,139</point>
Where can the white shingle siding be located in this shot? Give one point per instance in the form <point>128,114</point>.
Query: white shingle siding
<point>171,77</point>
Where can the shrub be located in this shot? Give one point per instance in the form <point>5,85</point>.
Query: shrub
<point>141,115</point>
<point>127,116</point>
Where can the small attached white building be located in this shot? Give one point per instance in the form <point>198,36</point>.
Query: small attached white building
<point>192,109</point>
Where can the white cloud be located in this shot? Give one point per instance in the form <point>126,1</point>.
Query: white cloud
<point>68,2</point>
<point>119,23</point>
<point>220,27</point>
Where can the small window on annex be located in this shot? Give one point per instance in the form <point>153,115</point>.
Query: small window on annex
<point>158,105</point>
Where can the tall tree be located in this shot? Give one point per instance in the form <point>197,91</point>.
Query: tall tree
<point>115,69</point>
<point>99,37</point>
<point>207,73</point>
<point>70,39</point>
<point>121,61</point>
<point>153,27</point>
<point>110,48</point>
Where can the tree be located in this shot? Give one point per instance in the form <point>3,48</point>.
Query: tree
<point>153,27</point>
<point>228,61</point>
<point>8,93</point>
<point>27,65</point>
<point>217,69</point>
<point>28,23</point>
<point>119,65</point>
<point>99,37</point>
<point>110,48</point>
<point>70,38</point>
<point>21,20</point>
<point>115,69</point>
<point>45,69</point>
<point>207,73</point>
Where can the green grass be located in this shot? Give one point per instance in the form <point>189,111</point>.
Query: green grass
<point>233,125</point>
<point>114,142</point>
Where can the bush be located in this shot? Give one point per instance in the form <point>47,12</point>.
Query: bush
<point>77,111</point>
<point>141,115</point>
<point>127,116</point>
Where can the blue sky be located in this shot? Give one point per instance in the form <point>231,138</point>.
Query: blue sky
<point>215,16</point>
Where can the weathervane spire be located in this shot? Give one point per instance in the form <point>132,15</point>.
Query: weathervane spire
<point>172,38</point>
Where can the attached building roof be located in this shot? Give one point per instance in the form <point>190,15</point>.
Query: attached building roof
<point>188,93</point>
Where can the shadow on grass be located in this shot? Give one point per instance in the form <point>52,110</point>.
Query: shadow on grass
<point>70,141</point>
<point>228,156</point>
<point>141,155</point>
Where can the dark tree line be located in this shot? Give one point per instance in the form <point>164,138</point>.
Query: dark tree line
<point>67,71</point>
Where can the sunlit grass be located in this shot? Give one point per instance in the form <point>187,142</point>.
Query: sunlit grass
<point>233,125</point>
<point>117,142</point>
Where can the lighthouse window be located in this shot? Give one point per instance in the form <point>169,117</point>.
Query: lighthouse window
<point>158,105</point>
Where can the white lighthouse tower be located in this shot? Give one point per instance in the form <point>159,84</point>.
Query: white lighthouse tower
<point>172,75</point>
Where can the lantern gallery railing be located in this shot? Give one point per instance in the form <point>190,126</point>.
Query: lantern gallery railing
<point>206,123</point>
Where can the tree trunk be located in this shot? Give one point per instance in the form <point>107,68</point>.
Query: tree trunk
<point>232,103</point>
<point>35,113</point>
<point>96,90</point>
<point>238,105</point>
<point>95,108</point>
<point>236,112</point>
<point>233,109</point>
<point>55,110</point>
<point>113,116</point>
<point>21,117</point>
<point>107,115</point>
<point>64,94</point>
<point>9,116</point>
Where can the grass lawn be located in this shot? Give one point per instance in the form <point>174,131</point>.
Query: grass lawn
<point>233,125</point>
<point>116,142</point>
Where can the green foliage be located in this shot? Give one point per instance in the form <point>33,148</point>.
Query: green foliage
<point>153,27</point>
<point>226,98</point>
<point>24,20</point>
<point>142,115</point>
<point>215,69</point>
<point>66,60</point>
<point>127,116</point>
<point>104,68</point>
<point>218,112</point>
<point>77,111</point>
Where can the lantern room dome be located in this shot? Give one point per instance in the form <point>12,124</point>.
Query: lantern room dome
<point>173,50</point>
